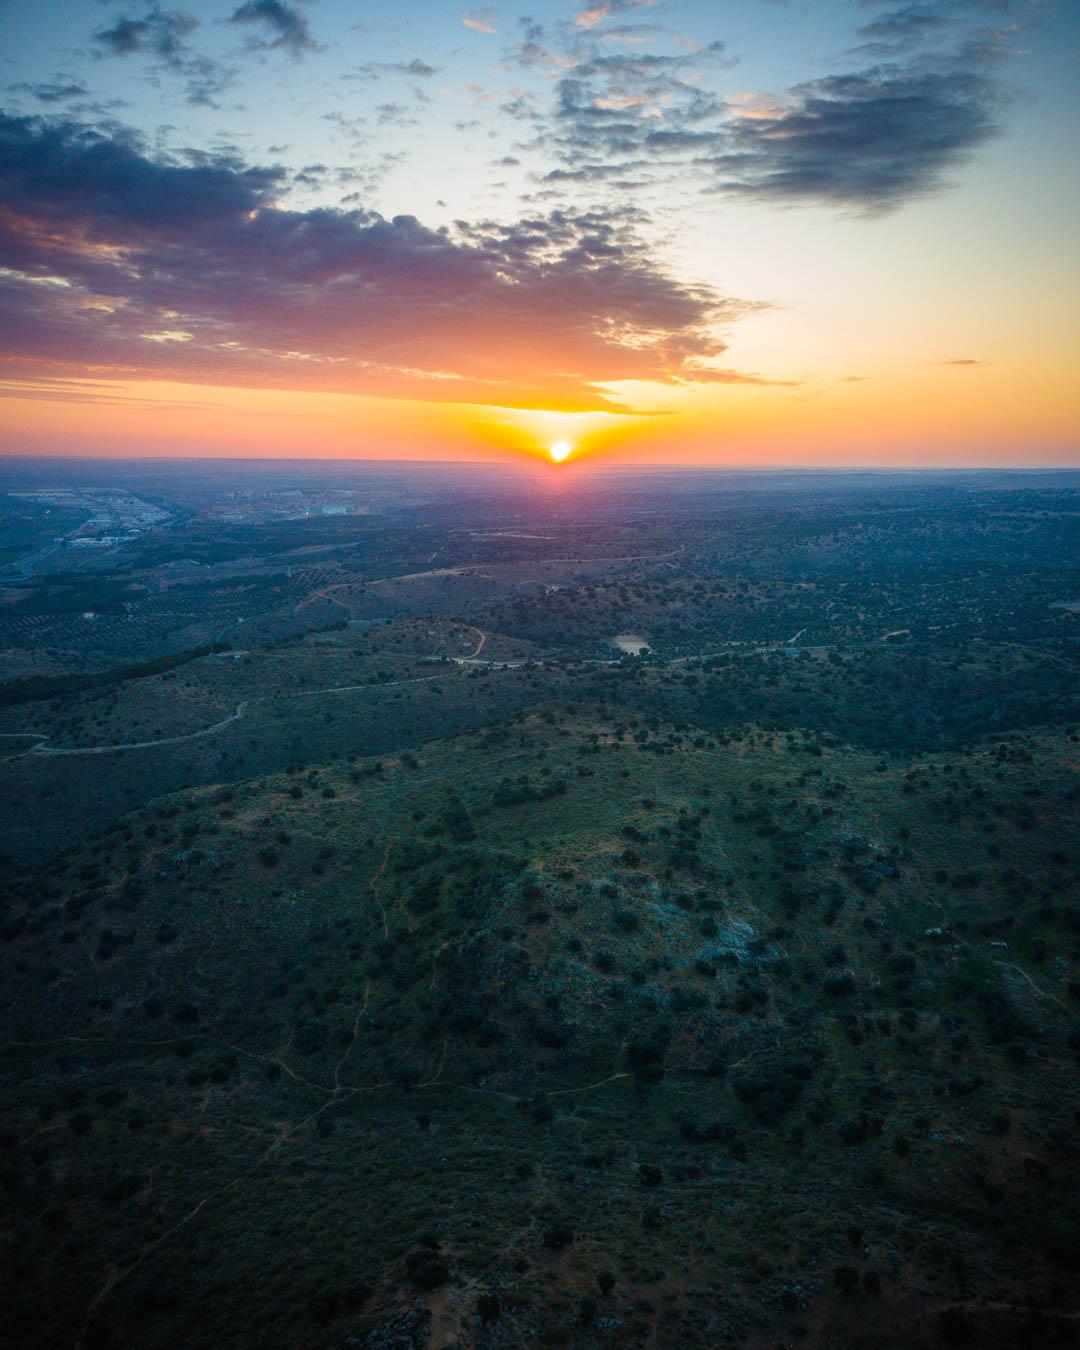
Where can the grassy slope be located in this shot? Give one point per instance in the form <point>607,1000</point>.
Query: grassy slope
<point>272,1037</point>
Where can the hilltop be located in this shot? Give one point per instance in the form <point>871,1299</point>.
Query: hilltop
<point>588,1027</point>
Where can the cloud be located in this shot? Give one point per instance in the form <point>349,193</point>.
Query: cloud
<point>963,361</point>
<point>105,246</point>
<point>962,7</point>
<point>480,20</point>
<point>205,80</point>
<point>162,35</point>
<point>870,140</point>
<point>911,24</point>
<point>394,115</point>
<point>289,28</point>
<point>53,91</point>
<point>58,390</point>
<point>610,108</point>
<point>901,30</point>
<point>867,140</point>
<point>419,69</point>
<point>611,101</point>
<point>374,70</point>
<point>160,32</point>
<point>596,11</point>
<point>908,26</point>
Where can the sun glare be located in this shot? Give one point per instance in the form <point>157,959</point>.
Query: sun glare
<point>560,450</point>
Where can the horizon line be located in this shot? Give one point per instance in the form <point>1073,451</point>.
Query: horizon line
<point>538,464</point>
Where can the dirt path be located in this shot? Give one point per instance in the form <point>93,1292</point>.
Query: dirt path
<point>42,749</point>
<point>325,594</point>
<point>631,557</point>
<point>419,576</point>
<point>241,708</point>
<point>21,736</point>
<point>486,568</point>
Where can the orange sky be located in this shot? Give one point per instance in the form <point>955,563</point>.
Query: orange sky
<point>937,415</point>
<point>740,234</point>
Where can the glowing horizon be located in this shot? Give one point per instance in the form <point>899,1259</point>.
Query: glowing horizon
<point>641,236</point>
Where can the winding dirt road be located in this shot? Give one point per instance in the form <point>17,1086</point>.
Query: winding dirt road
<point>42,748</point>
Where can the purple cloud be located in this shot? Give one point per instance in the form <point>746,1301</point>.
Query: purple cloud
<point>192,269</point>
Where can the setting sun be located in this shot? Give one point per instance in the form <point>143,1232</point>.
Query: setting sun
<point>560,450</point>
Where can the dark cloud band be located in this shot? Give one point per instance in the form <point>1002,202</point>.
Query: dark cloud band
<point>870,141</point>
<point>121,260</point>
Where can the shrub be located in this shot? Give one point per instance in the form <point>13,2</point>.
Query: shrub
<point>311,1038</point>
<point>558,1236</point>
<point>954,1326</point>
<point>846,1279</point>
<point>839,985</point>
<point>426,1269</point>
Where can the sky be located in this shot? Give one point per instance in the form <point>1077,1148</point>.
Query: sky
<point>733,232</point>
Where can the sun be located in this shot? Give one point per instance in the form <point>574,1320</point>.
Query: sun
<point>560,450</point>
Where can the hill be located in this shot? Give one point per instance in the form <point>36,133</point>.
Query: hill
<point>581,1028</point>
